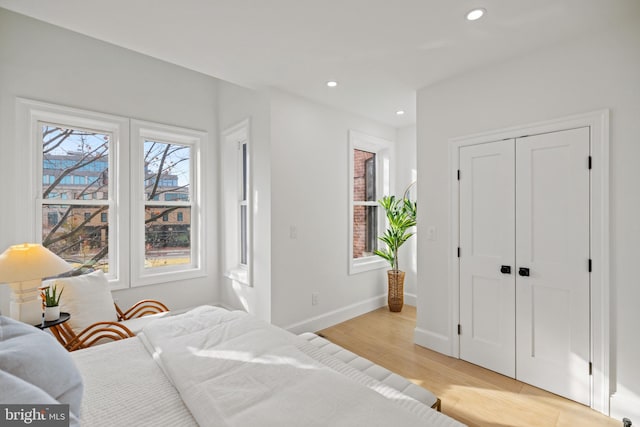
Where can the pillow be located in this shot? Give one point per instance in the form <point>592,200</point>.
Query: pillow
<point>87,298</point>
<point>35,369</point>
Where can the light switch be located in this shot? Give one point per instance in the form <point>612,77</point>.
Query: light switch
<point>431,232</point>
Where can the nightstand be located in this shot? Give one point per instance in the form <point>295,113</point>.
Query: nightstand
<point>63,318</point>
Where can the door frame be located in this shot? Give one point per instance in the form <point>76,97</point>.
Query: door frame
<point>598,121</point>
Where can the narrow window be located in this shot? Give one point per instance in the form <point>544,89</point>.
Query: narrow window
<point>370,175</point>
<point>237,202</point>
<point>365,206</point>
<point>242,207</point>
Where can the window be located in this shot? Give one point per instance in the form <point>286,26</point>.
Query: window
<point>166,159</point>
<point>242,203</point>
<point>66,202</point>
<point>237,202</point>
<point>91,186</point>
<point>370,163</point>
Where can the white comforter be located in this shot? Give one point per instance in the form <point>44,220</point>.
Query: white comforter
<point>232,369</point>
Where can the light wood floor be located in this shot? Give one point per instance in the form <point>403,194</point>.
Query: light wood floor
<point>469,393</point>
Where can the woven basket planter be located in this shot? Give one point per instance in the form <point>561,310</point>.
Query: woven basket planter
<point>395,297</point>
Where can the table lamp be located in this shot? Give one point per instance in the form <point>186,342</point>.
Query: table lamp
<point>23,267</point>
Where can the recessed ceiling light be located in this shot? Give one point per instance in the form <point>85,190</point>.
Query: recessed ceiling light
<point>475,14</point>
<point>400,112</point>
<point>332,83</point>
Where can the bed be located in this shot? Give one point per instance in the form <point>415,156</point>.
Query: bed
<point>214,367</point>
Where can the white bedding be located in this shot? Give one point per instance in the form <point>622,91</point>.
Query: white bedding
<point>123,386</point>
<point>232,369</point>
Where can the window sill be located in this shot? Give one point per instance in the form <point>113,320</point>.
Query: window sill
<point>238,274</point>
<point>362,265</point>
<point>168,275</point>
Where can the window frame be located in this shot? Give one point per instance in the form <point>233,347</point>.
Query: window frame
<point>124,264</point>
<point>196,140</point>
<point>383,149</point>
<point>31,115</point>
<point>233,139</point>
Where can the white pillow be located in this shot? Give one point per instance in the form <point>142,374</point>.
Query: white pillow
<point>87,298</point>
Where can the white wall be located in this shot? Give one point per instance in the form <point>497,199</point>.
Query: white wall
<point>406,173</point>
<point>309,183</point>
<point>582,75</point>
<point>47,63</point>
<point>236,104</point>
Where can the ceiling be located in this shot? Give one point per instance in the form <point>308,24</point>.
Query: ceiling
<point>380,51</point>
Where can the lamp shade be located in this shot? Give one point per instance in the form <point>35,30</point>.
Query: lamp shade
<point>30,261</point>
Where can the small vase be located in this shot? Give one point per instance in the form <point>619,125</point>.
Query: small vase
<point>51,313</point>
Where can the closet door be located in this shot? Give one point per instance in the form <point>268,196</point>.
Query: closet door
<point>487,290</point>
<point>552,261</point>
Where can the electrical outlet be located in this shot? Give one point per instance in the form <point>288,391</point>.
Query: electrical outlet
<point>293,232</point>
<point>314,298</point>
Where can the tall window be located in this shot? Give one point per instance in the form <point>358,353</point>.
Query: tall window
<point>237,202</point>
<point>166,163</point>
<point>365,205</point>
<point>369,181</point>
<point>243,204</point>
<point>69,204</point>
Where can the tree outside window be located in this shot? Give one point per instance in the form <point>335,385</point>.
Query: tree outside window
<point>71,207</point>
<point>75,196</point>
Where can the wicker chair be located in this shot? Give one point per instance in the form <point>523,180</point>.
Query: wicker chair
<point>95,317</point>
<point>101,332</point>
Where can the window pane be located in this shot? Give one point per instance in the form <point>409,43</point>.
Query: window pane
<point>75,164</point>
<point>77,234</point>
<point>243,235</point>
<point>167,242</point>
<point>167,175</point>
<point>364,176</point>
<point>365,230</point>
<point>244,171</point>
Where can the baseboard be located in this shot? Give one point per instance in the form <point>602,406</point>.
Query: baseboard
<point>625,404</point>
<point>336,316</point>
<point>411,299</point>
<point>431,340</point>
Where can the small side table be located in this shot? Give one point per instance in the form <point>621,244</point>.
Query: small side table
<point>63,318</point>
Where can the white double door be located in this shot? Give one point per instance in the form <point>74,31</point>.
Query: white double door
<point>524,259</point>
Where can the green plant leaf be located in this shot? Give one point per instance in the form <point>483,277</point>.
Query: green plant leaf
<point>401,216</point>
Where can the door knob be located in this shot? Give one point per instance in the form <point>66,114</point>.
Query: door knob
<point>505,269</point>
<point>523,271</point>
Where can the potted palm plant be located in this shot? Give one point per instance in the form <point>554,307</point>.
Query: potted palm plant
<point>401,216</point>
<point>51,299</point>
